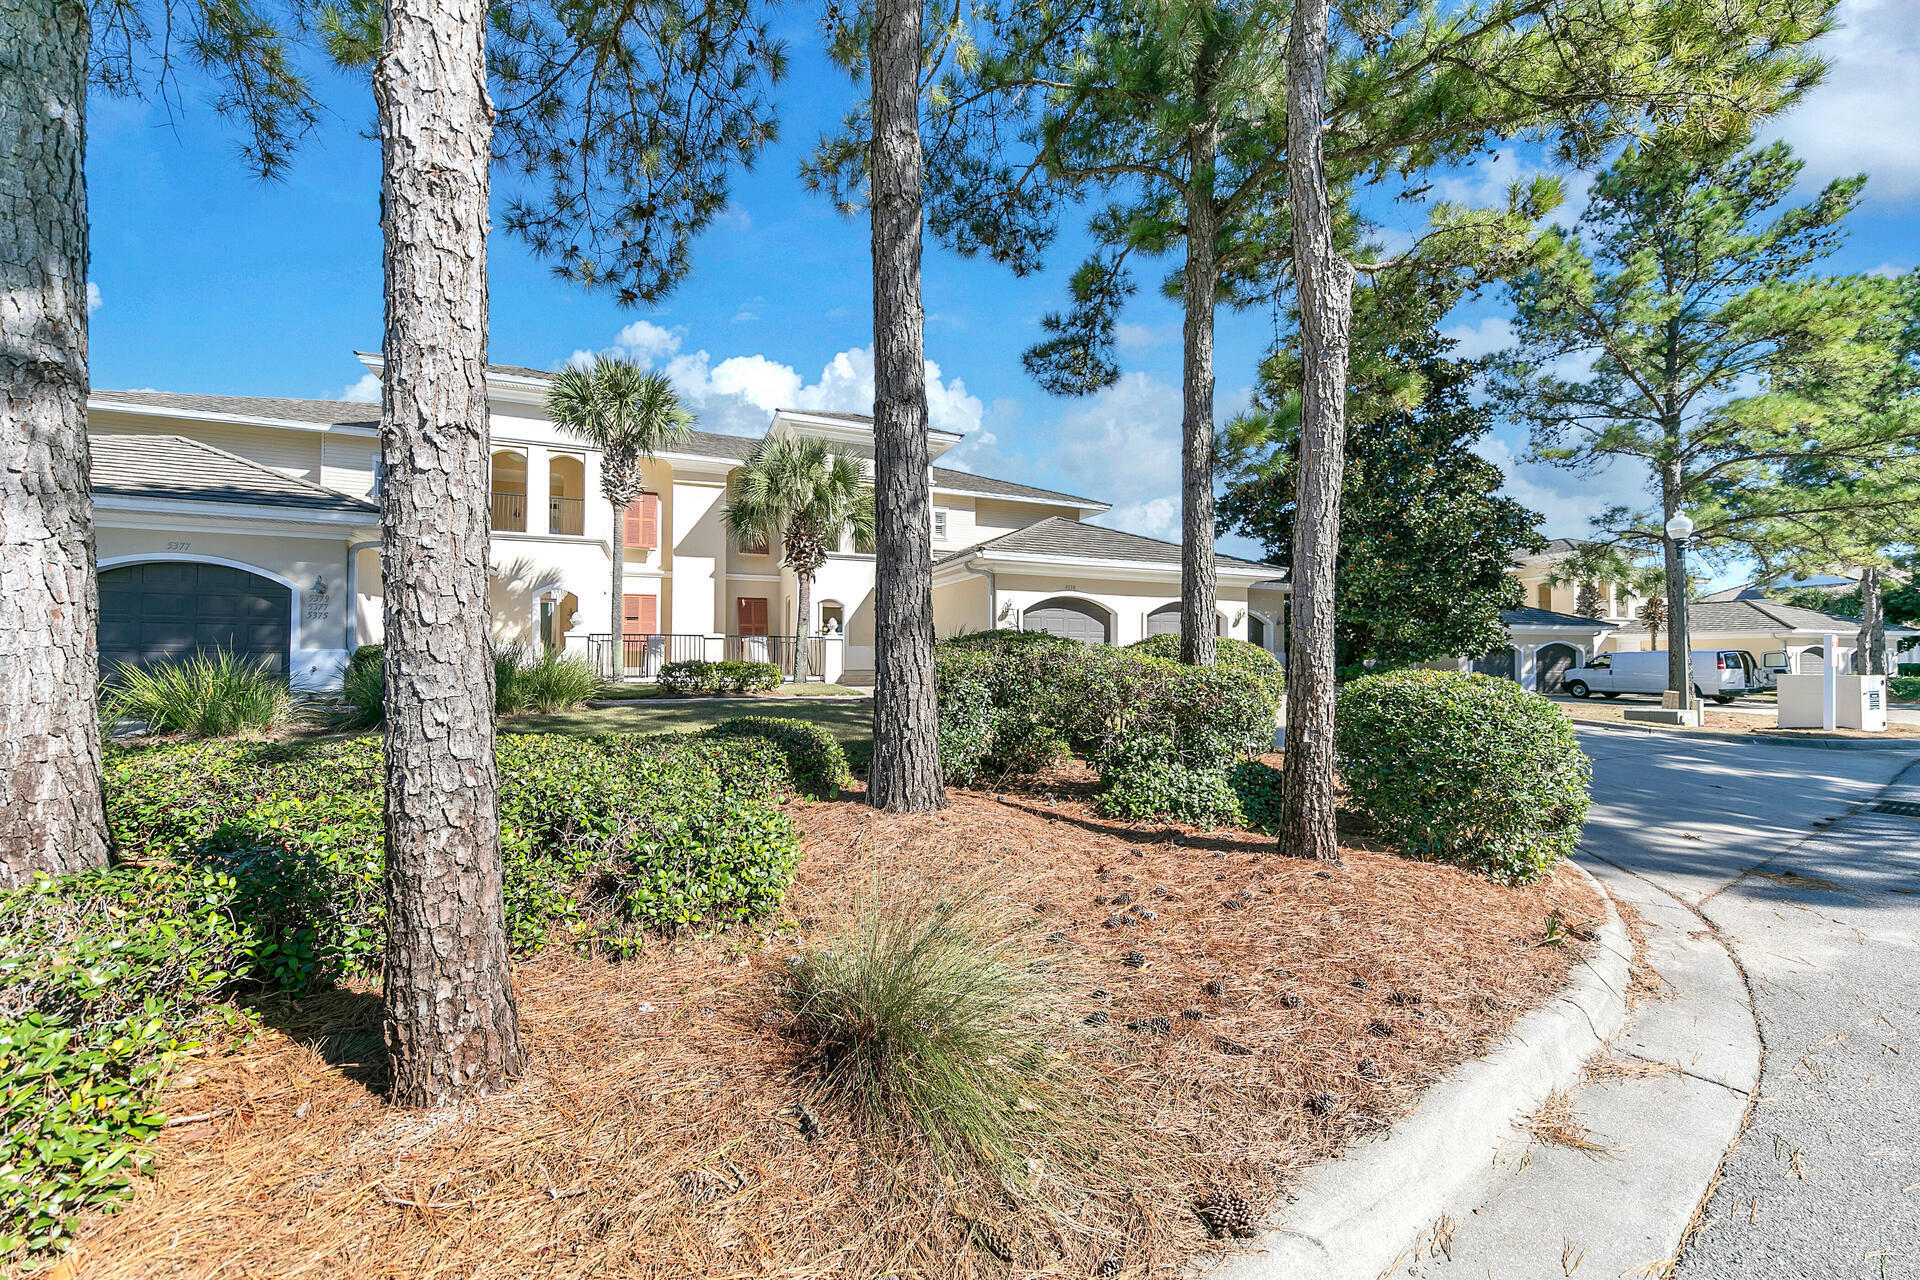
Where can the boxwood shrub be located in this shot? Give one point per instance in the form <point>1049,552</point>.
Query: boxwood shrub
<point>1464,768</point>
<point>695,675</point>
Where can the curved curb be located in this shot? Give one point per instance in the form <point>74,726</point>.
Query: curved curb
<point>1354,1216</point>
<point>1768,739</point>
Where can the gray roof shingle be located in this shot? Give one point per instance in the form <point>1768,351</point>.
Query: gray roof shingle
<point>1531,617</point>
<point>1746,616</point>
<point>988,487</point>
<point>1058,536</point>
<point>159,466</point>
<point>356,413</point>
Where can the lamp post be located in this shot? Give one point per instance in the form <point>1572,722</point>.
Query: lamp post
<point>1679,640</point>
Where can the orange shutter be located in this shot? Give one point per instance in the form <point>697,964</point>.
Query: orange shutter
<point>751,612</point>
<point>642,614</point>
<point>642,526</point>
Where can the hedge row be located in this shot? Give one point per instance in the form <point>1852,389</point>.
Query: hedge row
<point>697,676</point>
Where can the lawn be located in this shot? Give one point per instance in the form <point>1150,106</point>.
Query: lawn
<point>848,721</point>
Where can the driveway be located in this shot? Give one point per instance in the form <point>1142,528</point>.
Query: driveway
<point>1818,900</point>
<point>1762,705</point>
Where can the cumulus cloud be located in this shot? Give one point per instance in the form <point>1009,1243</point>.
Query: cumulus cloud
<point>366,387</point>
<point>1566,500</point>
<point>1491,334</point>
<point>1861,118</point>
<point>93,297</point>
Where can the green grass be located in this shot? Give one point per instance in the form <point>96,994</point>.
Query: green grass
<point>641,692</point>
<point>847,721</point>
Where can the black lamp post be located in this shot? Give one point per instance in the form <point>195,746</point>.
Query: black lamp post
<point>1679,529</point>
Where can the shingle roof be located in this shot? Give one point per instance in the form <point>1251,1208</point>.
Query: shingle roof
<point>1745,616</point>
<point>1531,617</point>
<point>1058,536</point>
<point>160,466</point>
<point>356,413</point>
<point>1553,548</point>
<point>987,486</point>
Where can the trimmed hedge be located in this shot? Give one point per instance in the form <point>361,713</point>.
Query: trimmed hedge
<point>1464,768</point>
<point>523,681</point>
<point>697,676</point>
<point>816,763</point>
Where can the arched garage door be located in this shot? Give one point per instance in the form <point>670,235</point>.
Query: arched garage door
<point>1072,619</point>
<point>1165,621</point>
<point>1551,664</point>
<point>171,609</point>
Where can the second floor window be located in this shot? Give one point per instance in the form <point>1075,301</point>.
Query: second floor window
<point>642,526</point>
<point>939,524</point>
<point>1545,596</point>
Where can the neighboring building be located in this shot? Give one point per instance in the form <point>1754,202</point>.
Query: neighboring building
<point>1546,637</point>
<point>253,524</point>
<point>1765,628</point>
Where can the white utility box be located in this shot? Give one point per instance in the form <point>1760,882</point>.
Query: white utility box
<point>1859,702</point>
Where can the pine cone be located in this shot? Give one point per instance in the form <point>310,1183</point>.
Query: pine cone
<point>1108,1269</point>
<point>1135,960</point>
<point>1228,1213</point>
<point>992,1241</point>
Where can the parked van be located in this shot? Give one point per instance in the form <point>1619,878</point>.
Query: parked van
<point>1720,674</point>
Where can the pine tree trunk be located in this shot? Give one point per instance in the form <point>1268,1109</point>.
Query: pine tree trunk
<point>452,1029</point>
<point>1198,586</point>
<point>800,630</point>
<point>1679,635</point>
<point>618,662</point>
<point>1325,283</point>
<point>1870,649</point>
<point>51,813</point>
<point>905,774</point>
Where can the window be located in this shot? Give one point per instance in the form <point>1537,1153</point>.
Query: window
<point>642,525</point>
<point>760,545</point>
<point>833,618</point>
<point>750,615</point>
<point>1544,596</point>
<point>641,614</point>
<point>939,524</point>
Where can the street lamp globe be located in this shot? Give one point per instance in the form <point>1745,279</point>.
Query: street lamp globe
<point>1680,528</point>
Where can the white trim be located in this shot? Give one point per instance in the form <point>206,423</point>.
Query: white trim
<point>180,413</point>
<point>183,557</point>
<point>238,510</point>
<point>1113,615</point>
<point>755,577</point>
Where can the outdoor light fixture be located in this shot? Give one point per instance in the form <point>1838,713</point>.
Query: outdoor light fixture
<point>1679,637</point>
<point>1680,528</point>
<point>320,586</point>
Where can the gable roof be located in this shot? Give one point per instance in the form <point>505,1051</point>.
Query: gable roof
<point>1746,616</point>
<point>1554,548</point>
<point>1531,617</point>
<point>988,487</point>
<point>354,413</point>
<point>1058,536</point>
<point>165,466</point>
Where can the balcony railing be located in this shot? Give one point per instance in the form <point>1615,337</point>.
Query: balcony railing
<point>566,515</point>
<point>643,655</point>
<point>508,511</point>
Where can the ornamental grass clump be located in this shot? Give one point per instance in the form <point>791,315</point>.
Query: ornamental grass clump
<point>927,1019</point>
<point>206,695</point>
<point>1464,768</point>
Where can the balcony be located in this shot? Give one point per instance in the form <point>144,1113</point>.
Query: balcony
<point>508,512</point>
<point>566,516</point>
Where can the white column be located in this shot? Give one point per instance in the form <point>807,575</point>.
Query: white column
<point>539,486</point>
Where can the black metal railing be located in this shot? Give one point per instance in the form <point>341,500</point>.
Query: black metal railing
<point>508,511</point>
<point>642,655</point>
<point>566,515</point>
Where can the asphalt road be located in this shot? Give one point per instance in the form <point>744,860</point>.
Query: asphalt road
<point>1819,900</point>
<point>1762,705</point>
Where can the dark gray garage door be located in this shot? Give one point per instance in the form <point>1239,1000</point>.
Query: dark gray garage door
<point>1073,619</point>
<point>1498,663</point>
<point>156,612</point>
<point>1551,664</point>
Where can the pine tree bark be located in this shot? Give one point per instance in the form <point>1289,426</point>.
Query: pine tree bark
<point>1325,282</point>
<point>617,663</point>
<point>1870,647</point>
<point>51,812</point>
<point>452,1027</point>
<point>1198,583</point>
<point>905,774</point>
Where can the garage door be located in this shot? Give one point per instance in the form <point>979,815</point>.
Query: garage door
<point>1071,619</point>
<point>1551,664</point>
<point>1165,621</point>
<point>168,610</point>
<point>1498,663</point>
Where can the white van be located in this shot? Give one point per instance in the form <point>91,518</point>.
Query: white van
<point>1720,674</point>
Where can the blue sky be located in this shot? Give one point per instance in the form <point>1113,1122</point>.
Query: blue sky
<point>209,281</point>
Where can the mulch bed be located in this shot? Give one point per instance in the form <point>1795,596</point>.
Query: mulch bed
<point>656,1131</point>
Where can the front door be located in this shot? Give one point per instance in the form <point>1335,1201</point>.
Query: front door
<point>750,616</point>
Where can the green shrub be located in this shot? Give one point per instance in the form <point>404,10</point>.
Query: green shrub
<point>1905,687</point>
<point>205,695</point>
<point>364,688</point>
<point>1464,768</point>
<point>367,655</point>
<point>1145,779</point>
<point>105,977</point>
<point>1256,785</point>
<point>963,682</point>
<point>690,676</point>
<point>1001,638</point>
<point>816,762</point>
<point>927,1018</point>
<point>1228,652</point>
<point>541,682</point>
<point>747,677</point>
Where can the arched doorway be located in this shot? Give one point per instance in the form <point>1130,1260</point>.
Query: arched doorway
<point>1550,666</point>
<point>166,610</point>
<point>1165,621</point>
<point>1068,618</point>
<point>1498,663</point>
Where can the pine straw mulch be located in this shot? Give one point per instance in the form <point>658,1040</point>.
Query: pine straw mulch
<point>655,1133</point>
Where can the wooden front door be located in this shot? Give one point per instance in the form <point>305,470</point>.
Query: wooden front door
<point>750,615</point>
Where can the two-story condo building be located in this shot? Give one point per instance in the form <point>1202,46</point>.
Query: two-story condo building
<point>252,524</point>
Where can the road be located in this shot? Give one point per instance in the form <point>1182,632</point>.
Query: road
<point>1757,705</point>
<point>1819,901</point>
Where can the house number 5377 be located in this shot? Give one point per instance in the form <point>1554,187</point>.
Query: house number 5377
<point>178,546</point>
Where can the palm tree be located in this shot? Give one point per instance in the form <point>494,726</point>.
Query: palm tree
<point>809,497</point>
<point>628,414</point>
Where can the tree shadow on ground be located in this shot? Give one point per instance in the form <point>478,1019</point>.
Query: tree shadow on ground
<point>345,1027</point>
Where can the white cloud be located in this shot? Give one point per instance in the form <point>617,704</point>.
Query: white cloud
<point>1567,500</point>
<point>366,387</point>
<point>1141,337</point>
<point>93,297</point>
<point>1888,271</point>
<point>734,218</point>
<point>1861,118</point>
<point>1491,334</point>
<point>1156,517</point>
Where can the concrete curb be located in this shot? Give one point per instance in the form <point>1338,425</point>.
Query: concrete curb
<point>1356,1215</point>
<point>1706,735</point>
